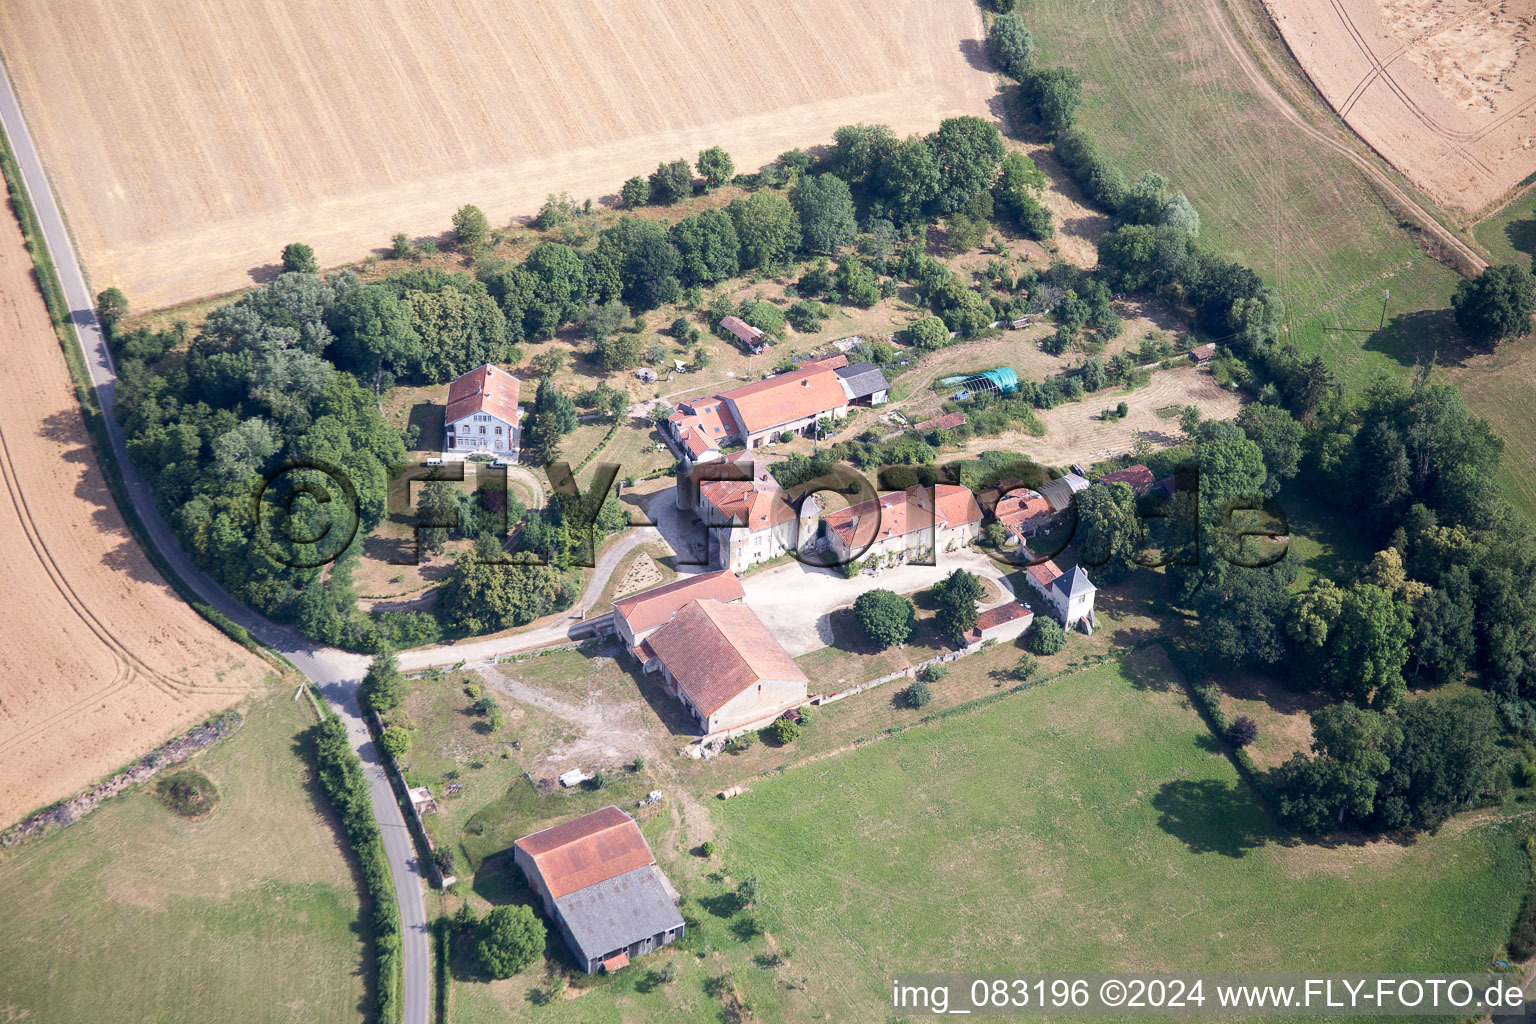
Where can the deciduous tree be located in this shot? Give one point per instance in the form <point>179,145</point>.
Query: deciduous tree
<point>716,166</point>
<point>1496,305</point>
<point>299,258</point>
<point>885,617</point>
<point>510,938</point>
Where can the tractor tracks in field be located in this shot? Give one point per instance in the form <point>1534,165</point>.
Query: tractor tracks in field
<point>128,666</point>
<point>1222,16</point>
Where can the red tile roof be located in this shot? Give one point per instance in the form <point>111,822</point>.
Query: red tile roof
<point>716,651</point>
<point>1205,351</point>
<point>743,330</point>
<point>650,608</point>
<point>798,394</point>
<point>903,512</point>
<point>949,421</point>
<point>754,504</point>
<point>702,425</point>
<point>1022,507</point>
<point>586,850</point>
<point>826,362</point>
<point>993,617</point>
<point>1138,476</point>
<point>1044,574</point>
<point>486,389</point>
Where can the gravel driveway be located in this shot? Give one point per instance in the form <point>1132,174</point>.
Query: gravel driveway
<point>795,601</point>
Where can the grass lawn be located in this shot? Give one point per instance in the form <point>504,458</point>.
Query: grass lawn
<point>453,745</point>
<point>1509,236</point>
<point>1324,541</point>
<point>136,914</point>
<point>1161,93</point>
<point>1085,823</point>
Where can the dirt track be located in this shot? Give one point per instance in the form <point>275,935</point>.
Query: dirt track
<point>99,660</point>
<point>1444,89</point>
<point>191,140</point>
<point>1449,248</point>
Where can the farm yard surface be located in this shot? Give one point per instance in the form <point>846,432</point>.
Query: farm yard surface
<point>1077,432</point>
<point>199,139</point>
<point>1444,89</point>
<point>107,661</point>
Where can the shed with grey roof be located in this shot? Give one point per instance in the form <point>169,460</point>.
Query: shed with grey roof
<point>863,382</point>
<point>612,921</point>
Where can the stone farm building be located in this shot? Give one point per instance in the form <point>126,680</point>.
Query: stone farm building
<point>1138,478</point>
<point>482,413</point>
<point>747,515</point>
<point>914,523</point>
<point>760,413</point>
<point>723,666</point>
<point>745,333</point>
<point>601,887</point>
<point>1005,622</point>
<point>1020,511</point>
<point>637,616</point>
<point>1070,593</point>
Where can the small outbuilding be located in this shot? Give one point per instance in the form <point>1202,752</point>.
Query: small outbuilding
<point>745,333</point>
<point>863,383</point>
<point>1005,622</point>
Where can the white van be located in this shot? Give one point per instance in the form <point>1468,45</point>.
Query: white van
<point>434,462</point>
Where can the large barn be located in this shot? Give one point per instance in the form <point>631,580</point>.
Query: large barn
<point>760,413</point>
<point>723,666</point>
<point>600,885</point>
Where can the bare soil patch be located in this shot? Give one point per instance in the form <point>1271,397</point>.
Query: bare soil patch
<point>1075,432</point>
<point>196,140</point>
<point>105,661</point>
<point>1444,89</point>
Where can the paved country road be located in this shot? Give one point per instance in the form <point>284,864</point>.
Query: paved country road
<point>335,672</point>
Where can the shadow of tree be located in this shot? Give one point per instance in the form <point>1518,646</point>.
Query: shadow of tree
<point>975,53</point>
<point>266,273</point>
<point>1522,235</point>
<point>725,904</point>
<point>1211,816</point>
<point>1428,334</point>
<point>303,747</point>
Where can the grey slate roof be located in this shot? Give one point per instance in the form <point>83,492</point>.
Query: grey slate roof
<point>614,913</point>
<point>1073,582</point>
<point>862,379</point>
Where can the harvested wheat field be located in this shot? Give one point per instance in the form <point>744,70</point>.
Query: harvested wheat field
<point>1075,432</point>
<point>1444,89</point>
<point>192,139</point>
<point>99,659</point>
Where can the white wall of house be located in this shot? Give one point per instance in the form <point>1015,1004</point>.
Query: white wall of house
<point>757,701</point>
<point>766,698</point>
<point>908,546</point>
<point>800,426</point>
<point>481,432</point>
<point>1078,608</point>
